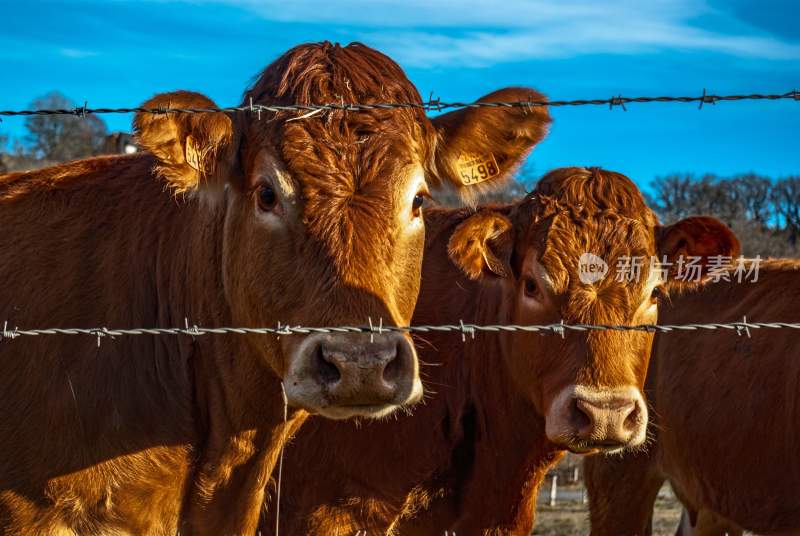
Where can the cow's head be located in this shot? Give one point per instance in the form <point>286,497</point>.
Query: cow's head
<point>320,212</point>
<point>564,254</point>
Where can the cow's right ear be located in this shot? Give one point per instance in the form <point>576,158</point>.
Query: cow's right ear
<point>479,149</point>
<point>190,147</point>
<point>702,238</point>
<point>482,245</point>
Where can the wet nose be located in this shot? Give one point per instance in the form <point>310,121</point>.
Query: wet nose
<point>361,375</point>
<point>343,375</point>
<point>583,418</point>
<point>609,423</point>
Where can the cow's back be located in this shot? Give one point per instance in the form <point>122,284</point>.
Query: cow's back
<point>81,246</point>
<point>729,405</point>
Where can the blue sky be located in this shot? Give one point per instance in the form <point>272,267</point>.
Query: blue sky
<point>118,53</point>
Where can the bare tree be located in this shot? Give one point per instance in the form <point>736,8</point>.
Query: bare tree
<point>672,196</point>
<point>765,214</point>
<point>56,138</point>
<point>754,196</point>
<point>786,200</point>
<point>3,155</point>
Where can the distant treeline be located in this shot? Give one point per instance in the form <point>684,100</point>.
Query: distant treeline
<point>763,212</point>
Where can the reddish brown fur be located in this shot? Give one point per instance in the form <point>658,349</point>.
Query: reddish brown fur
<point>473,456</point>
<point>147,435</point>
<point>728,409</point>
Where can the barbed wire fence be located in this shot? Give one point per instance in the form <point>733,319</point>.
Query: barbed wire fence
<point>740,327</point>
<point>430,105</point>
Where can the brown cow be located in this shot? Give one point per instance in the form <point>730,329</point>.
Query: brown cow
<point>314,221</point>
<point>505,406</point>
<point>728,417</point>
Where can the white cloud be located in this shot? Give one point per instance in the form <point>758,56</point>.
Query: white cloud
<point>480,32</point>
<point>452,13</point>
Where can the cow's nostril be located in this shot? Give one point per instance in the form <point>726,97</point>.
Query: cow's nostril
<point>632,419</point>
<point>327,370</point>
<point>393,368</point>
<point>581,418</point>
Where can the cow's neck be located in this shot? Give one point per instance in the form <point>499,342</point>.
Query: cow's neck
<point>238,406</point>
<point>497,449</point>
<point>244,432</point>
<point>510,455</point>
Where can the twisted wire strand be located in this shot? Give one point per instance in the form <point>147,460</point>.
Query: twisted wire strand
<point>430,105</point>
<point>462,328</point>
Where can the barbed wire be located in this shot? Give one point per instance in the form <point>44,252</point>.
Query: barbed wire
<point>430,105</point>
<point>743,326</point>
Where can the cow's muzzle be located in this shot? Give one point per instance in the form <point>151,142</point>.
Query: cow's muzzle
<point>584,419</point>
<point>348,375</point>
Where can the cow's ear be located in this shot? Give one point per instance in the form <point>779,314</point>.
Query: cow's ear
<point>480,148</point>
<point>482,245</point>
<point>190,147</point>
<point>703,241</point>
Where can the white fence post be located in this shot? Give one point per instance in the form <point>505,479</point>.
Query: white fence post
<point>553,490</point>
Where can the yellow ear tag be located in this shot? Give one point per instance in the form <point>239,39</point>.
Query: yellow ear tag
<point>192,153</point>
<point>474,169</point>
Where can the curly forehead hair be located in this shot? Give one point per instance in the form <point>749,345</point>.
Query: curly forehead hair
<point>316,73</point>
<point>588,192</point>
<point>325,73</point>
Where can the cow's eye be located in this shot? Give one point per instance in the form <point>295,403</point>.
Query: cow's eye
<point>531,288</point>
<point>658,294</point>
<point>416,205</point>
<point>267,197</point>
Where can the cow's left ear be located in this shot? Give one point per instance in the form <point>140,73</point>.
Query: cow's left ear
<point>480,148</point>
<point>699,237</point>
<point>482,245</point>
<point>190,147</point>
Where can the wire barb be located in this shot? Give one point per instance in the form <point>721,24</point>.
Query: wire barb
<point>373,330</point>
<point>743,327</point>
<point>100,333</point>
<point>6,334</point>
<point>466,330</point>
<point>434,104</point>
<point>81,112</point>
<point>193,330</point>
<point>560,329</point>
<point>705,98</point>
<point>617,101</point>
